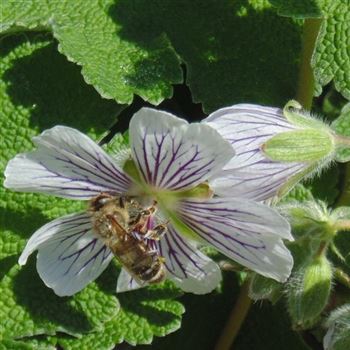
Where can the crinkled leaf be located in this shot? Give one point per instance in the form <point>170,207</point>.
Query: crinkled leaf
<point>29,308</point>
<point>135,47</point>
<point>207,315</point>
<point>342,126</point>
<point>298,9</point>
<point>38,89</point>
<point>226,46</point>
<point>90,35</point>
<point>145,313</point>
<point>331,57</point>
<point>40,343</point>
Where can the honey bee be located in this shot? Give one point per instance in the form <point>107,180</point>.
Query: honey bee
<point>123,224</point>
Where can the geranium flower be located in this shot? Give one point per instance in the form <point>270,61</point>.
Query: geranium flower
<point>171,162</point>
<point>251,173</point>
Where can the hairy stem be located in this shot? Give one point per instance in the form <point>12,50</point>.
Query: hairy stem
<point>236,318</point>
<point>305,89</point>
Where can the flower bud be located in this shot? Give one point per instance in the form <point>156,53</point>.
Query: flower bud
<point>309,219</point>
<point>264,288</point>
<point>338,334</point>
<point>308,291</point>
<point>311,140</point>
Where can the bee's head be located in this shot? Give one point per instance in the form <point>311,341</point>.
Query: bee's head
<point>100,201</point>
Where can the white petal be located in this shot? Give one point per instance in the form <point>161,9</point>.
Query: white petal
<point>126,282</point>
<point>68,164</point>
<point>250,174</point>
<point>70,255</point>
<point>173,154</point>
<point>245,231</point>
<point>190,269</point>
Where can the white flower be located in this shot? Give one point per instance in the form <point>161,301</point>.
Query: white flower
<point>172,157</point>
<point>250,173</point>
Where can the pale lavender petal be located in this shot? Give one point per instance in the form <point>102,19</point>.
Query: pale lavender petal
<point>245,231</point>
<point>250,174</point>
<point>70,254</point>
<point>173,154</point>
<point>68,164</point>
<point>190,269</point>
<point>126,282</point>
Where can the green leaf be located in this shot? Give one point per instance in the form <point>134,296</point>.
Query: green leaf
<point>38,87</point>
<point>298,193</point>
<point>90,35</point>
<point>29,308</point>
<point>342,126</point>
<point>331,57</point>
<point>144,314</point>
<point>298,9</point>
<point>40,343</point>
<point>136,47</point>
<point>206,317</point>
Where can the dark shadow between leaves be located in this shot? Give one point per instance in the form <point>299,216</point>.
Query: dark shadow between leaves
<point>6,264</point>
<point>135,301</point>
<point>23,224</point>
<point>56,92</point>
<point>204,319</point>
<point>43,304</point>
<point>233,52</point>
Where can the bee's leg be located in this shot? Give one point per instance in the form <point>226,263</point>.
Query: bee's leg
<point>157,232</point>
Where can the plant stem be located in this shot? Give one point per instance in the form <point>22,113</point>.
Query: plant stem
<point>236,318</point>
<point>305,89</point>
<point>342,140</point>
<point>342,277</point>
<point>344,197</point>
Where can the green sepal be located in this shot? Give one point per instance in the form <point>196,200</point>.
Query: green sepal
<point>264,288</point>
<point>307,145</point>
<point>308,291</point>
<point>297,116</point>
<point>310,219</point>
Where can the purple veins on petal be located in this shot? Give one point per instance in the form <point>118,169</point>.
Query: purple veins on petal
<point>172,154</point>
<point>187,266</point>
<point>70,254</point>
<point>68,164</point>
<point>248,232</point>
<point>250,174</point>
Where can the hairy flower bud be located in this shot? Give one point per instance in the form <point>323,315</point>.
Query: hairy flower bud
<point>308,291</point>
<point>338,334</point>
<point>311,141</point>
